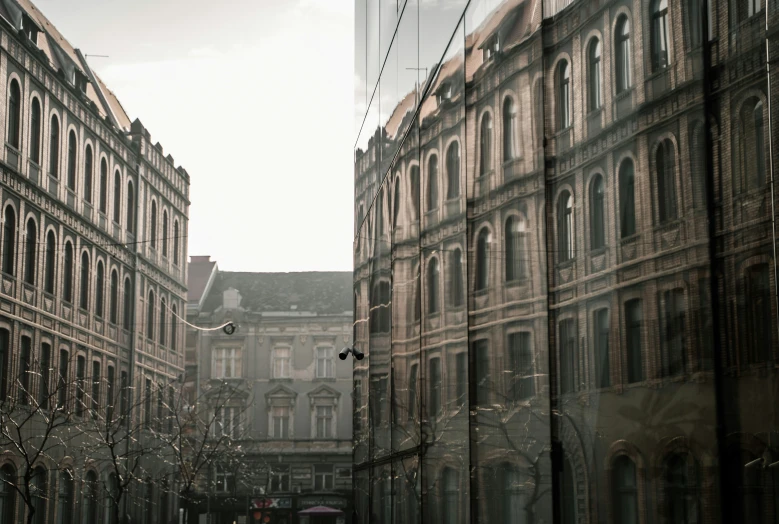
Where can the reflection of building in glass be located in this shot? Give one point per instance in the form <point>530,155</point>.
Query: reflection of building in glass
<point>290,417</point>
<point>564,274</point>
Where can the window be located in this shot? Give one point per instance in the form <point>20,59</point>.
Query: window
<point>674,354</point>
<point>758,317</point>
<point>457,278</point>
<point>110,393</point>
<point>95,389</point>
<point>565,227</point>
<point>176,242</point>
<point>434,394</point>
<point>665,160</point>
<point>563,95</point>
<point>153,225</point>
<point>39,495</point>
<point>147,411</point>
<point>113,299</point>
<point>432,286</point>
<point>512,494</point>
<point>88,174</point>
<point>538,113</point>
<point>128,304</point>
<point>62,380</point>
<point>67,281</point>
<point>748,8</point>
<point>164,237</point>
<point>130,225</point>
<point>625,491</point>
<point>597,213</point>
<point>432,183</point>
<point>123,394</point>
<point>226,362</point>
<point>81,365</point>
<point>14,114</point>
<point>380,312</point>
<point>482,274</point>
<point>396,203</point>
<point>569,355</point>
<point>323,477</point>
<point>84,295</point>
<point>510,146</point>
<point>64,498</point>
<point>659,35</point>
<point>5,356</point>
<point>698,165</point>
<point>752,147</point>
<point>30,252</point>
<point>461,377</point>
<point>415,193</point>
<point>25,361</point>
<point>627,199</point>
<point>481,359</point>
<point>521,367</point>
<point>633,324</point>
<point>72,161</point>
<point>681,490</point>
<point>325,362</point>
<point>35,131</point>
<point>324,421</point>
<point>281,362</point>
<point>103,185</point>
<point>54,147</point>
<point>45,372</point>
<point>9,241</point>
<point>117,197</point>
<point>50,262</point>
<point>174,327</point>
<point>594,64</point>
<point>99,287</point>
<point>515,248</point>
<point>622,52</point>
<point>280,418</point>
<point>163,322</point>
<point>150,316</point>
<point>413,400</point>
<point>148,501</point>
<point>568,494</point>
<point>225,479</point>
<point>453,171</point>
<point>227,422</point>
<point>485,145</point>
<point>279,480</point>
<point>601,343</point>
<point>450,500</point>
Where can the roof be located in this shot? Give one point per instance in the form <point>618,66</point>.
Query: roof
<point>200,274</point>
<point>320,292</point>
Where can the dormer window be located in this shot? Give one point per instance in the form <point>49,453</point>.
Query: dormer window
<point>444,93</point>
<point>491,48</point>
<point>80,81</point>
<point>30,29</point>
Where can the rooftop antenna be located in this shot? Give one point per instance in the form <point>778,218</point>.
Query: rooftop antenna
<point>97,56</point>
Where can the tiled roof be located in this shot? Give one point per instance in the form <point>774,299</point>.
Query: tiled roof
<point>322,292</point>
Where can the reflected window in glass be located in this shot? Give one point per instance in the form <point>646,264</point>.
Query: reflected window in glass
<point>633,326</point>
<point>521,366</point>
<point>594,64</point>
<point>597,213</point>
<point>485,145</point>
<point>432,183</point>
<point>563,95</point>
<point>565,226</point>
<point>482,275</point>
<point>623,58</point>
<point>624,490</point>
<point>432,286</point>
<point>665,166</point>
<point>516,248</point>
<point>601,339</point>
<point>453,171</point>
<point>682,490</point>
<point>510,146</point>
<point>659,35</point>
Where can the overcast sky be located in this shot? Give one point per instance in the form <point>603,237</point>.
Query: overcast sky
<point>254,98</point>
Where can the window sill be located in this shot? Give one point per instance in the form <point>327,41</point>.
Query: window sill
<point>598,251</point>
<point>566,264</point>
<point>517,282</point>
<point>325,379</point>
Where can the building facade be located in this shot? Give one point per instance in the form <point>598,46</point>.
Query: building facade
<point>94,240</point>
<point>564,262</point>
<point>291,413</point>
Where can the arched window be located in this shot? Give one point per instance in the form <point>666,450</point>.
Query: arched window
<point>39,495</point>
<point>432,183</point>
<point>67,280</point>
<point>415,193</point>
<point>9,241</point>
<point>173,326</point>
<point>512,495</point>
<point>634,320</point>
<point>130,207</point>
<point>568,494</point>
<point>515,234</point>
<point>594,65</point>
<point>35,131</point>
<point>510,146</point>
<point>14,114</point>
<point>88,174</point>
<point>176,242</point>
<point>150,316</point>
<point>457,278</point>
<point>432,286</point>
<point>7,494</point>
<point>50,265</point>
<point>30,252</point>
<point>625,490</point>
<point>450,501</point>
<point>665,166</point>
<point>164,237</point>
<point>565,226</point>
<point>659,43</point>
<point>99,287</point>
<point>114,298</point>
<point>127,306</point>
<point>752,143</point>
<point>538,113</point>
<point>396,203</point>
<point>485,145</point>
<point>64,498</point>
<point>84,296</point>
<point>163,313</point>
<point>117,197</point>
<point>597,213</point>
<point>622,54</point>
<point>111,498</point>
<point>153,224</point>
<point>89,499</point>
<point>563,95</point>
<point>453,171</point>
<point>72,160</point>
<point>54,147</point>
<point>627,199</point>
<point>103,185</point>
<point>482,274</point>
<point>682,502</point>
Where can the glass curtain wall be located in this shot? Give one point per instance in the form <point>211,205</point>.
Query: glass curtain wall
<point>568,308</point>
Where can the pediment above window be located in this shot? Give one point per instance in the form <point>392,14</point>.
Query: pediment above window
<point>324,395</point>
<point>281,395</point>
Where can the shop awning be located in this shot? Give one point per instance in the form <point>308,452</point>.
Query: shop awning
<point>321,511</point>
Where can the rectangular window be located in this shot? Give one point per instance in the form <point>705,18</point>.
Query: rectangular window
<point>324,421</point>
<point>379,400</point>
<point>323,477</point>
<point>633,322</point>
<point>5,337</point>
<point>81,364</point>
<point>110,392</point>
<point>325,362</point>
<point>461,373</point>
<point>226,363</point>
<point>568,355</point>
<point>601,342</point>
<point>434,394</point>
<point>674,357</point>
<point>279,479</point>
<point>481,359</point>
<point>227,422</point>
<point>24,370</point>
<point>225,479</point>
<point>280,416</point>
<point>281,362</point>
<point>413,401</point>
<point>123,395</point>
<point>43,394</point>
<point>147,404</point>
<point>522,375</point>
<point>95,388</point>
<point>62,382</point>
